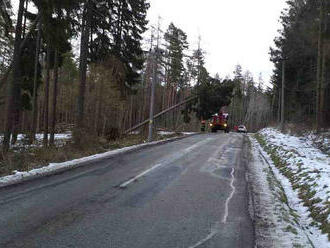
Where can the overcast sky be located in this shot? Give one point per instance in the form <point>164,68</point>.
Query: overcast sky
<point>233,31</point>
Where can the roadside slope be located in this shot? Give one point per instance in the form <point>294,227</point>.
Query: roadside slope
<point>304,174</point>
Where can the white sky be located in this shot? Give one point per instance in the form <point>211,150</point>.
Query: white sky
<point>233,31</point>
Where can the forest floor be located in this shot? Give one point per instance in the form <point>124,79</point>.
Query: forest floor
<point>297,172</point>
<point>23,157</point>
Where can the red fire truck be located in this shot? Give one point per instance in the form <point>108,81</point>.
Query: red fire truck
<point>219,122</point>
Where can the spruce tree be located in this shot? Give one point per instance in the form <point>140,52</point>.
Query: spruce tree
<point>176,44</point>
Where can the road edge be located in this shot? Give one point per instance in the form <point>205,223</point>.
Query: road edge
<point>247,159</point>
<point>35,174</point>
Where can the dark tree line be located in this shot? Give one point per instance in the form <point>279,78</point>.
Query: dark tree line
<point>104,88</point>
<point>302,49</point>
<point>31,63</point>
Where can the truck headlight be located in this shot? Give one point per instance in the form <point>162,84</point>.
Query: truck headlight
<point>225,125</point>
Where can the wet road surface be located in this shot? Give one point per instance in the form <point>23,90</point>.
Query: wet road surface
<point>189,193</point>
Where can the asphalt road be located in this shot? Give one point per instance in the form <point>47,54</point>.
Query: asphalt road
<point>188,193</point>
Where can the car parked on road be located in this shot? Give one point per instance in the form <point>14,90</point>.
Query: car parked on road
<point>241,129</point>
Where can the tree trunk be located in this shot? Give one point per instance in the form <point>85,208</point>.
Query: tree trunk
<point>82,73</point>
<point>283,94</point>
<point>319,67</point>
<point>98,129</point>
<point>14,87</point>
<point>46,103</point>
<point>323,77</point>
<point>35,87</point>
<point>53,119</point>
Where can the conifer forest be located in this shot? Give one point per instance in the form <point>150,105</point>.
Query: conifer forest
<point>90,67</point>
<point>165,123</point>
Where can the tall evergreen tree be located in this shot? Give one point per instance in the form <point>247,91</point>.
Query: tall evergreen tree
<point>112,28</point>
<point>6,45</point>
<point>13,96</point>
<point>176,45</point>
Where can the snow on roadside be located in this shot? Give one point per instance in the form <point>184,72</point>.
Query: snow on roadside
<point>165,133</point>
<point>58,167</point>
<point>306,169</point>
<point>188,133</point>
<point>276,223</point>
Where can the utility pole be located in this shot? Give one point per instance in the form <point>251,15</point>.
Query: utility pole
<point>153,84</point>
<point>283,94</point>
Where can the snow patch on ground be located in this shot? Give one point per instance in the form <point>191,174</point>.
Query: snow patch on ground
<point>60,139</point>
<point>304,172</point>
<point>310,164</point>
<point>276,222</point>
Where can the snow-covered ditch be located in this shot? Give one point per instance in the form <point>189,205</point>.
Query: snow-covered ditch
<point>277,224</point>
<point>304,173</point>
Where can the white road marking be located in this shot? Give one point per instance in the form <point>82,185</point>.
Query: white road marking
<point>124,185</point>
<point>214,231</point>
<point>187,150</point>
<point>230,196</point>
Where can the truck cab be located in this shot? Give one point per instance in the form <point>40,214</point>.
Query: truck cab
<point>219,122</point>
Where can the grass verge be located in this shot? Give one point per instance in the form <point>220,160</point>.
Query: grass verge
<point>301,182</point>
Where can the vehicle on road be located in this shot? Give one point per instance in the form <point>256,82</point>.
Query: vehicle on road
<point>219,122</point>
<point>241,129</point>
